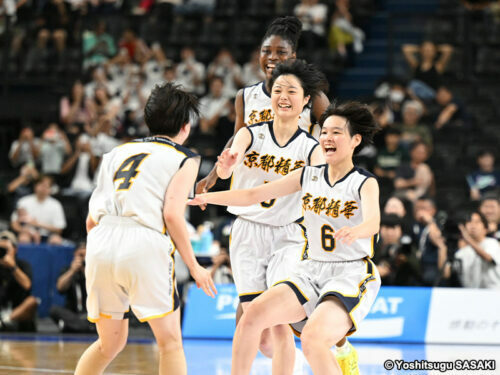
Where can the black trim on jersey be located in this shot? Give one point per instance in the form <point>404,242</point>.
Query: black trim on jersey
<point>271,130</point>
<point>192,193</point>
<point>243,96</point>
<point>310,153</point>
<point>302,299</point>
<point>342,179</point>
<point>251,135</point>
<point>361,185</point>
<point>167,142</point>
<point>126,315</point>
<point>264,88</point>
<point>364,172</point>
<point>302,176</point>
<point>249,297</point>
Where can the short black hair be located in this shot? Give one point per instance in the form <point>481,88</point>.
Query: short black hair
<point>311,78</point>
<point>481,216</point>
<point>485,152</point>
<point>392,130</point>
<point>42,177</point>
<point>390,220</point>
<point>359,118</point>
<point>288,28</point>
<point>168,108</point>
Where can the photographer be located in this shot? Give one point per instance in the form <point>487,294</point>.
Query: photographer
<point>395,256</point>
<point>477,261</point>
<point>71,283</point>
<point>17,305</point>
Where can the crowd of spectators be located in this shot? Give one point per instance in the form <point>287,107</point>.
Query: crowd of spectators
<point>54,166</point>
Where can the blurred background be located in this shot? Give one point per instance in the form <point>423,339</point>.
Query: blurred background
<point>75,74</point>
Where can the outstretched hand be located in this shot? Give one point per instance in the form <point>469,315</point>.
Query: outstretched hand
<point>198,200</point>
<point>226,160</point>
<point>203,280</point>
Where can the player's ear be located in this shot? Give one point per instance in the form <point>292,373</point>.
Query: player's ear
<point>357,138</point>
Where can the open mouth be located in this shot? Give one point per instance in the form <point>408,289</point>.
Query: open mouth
<point>284,106</point>
<point>330,149</point>
<point>270,67</point>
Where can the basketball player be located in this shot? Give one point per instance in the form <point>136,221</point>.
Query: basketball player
<point>336,285</point>
<point>136,215</point>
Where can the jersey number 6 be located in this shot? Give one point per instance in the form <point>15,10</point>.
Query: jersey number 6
<point>128,170</point>
<point>327,240</point>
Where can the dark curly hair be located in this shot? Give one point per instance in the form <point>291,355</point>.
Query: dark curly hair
<point>288,28</point>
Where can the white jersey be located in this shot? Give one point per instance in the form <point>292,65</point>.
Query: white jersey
<point>257,108</point>
<point>134,178</point>
<point>328,208</point>
<point>266,161</point>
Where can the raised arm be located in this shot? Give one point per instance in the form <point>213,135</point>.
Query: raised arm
<point>446,52</point>
<point>173,214</point>
<point>246,197</point>
<point>232,157</point>
<point>409,52</point>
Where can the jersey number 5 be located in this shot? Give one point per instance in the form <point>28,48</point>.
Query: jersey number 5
<point>128,171</point>
<point>327,240</point>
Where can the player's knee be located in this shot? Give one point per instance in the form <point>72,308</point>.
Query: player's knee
<point>266,345</point>
<point>311,339</point>
<point>110,349</point>
<point>169,343</point>
<point>250,320</point>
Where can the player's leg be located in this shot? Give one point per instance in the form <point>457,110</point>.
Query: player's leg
<point>112,339</point>
<point>167,331</point>
<point>283,346</point>
<point>265,345</point>
<point>328,323</point>
<point>278,305</point>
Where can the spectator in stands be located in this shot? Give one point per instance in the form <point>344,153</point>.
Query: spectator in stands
<point>25,149</point>
<point>74,112</point>
<point>415,179</point>
<point>54,148</point>
<point>154,68</point>
<point>136,48</point>
<point>449,109</point>
<point>412,130</point>
<point>41,212</point>
<point>427,68</point>
<point>22,184</point>
<point>252,73</point>
<point>490,208</point>
<point>71,283</point>
<point>391,156</point>
<point>343,33</point>
<point>226,67</point>
<point>313,16</point>
<point>80,168</point>
<point>221,268</point>
<point>213,106</point>
<point>98,46</point>
<point>103,104</point>
<point>479,260</point>
<point>191,73</point>
<point>401,208</point>
<point>432,249</point>
<point>17,305</point>
<point>486,178</point>
<point>395,257</point>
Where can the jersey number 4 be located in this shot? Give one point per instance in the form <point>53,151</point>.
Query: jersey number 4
<point>327,240</point>
<point>128,171</point>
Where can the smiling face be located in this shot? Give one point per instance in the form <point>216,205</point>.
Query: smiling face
<point>287,97</point>
<point>336,140</point>
<point>273,51</point>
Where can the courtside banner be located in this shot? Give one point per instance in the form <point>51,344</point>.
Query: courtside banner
<point>464,316</point>
<point>206,317</point>
<point>399,314</point>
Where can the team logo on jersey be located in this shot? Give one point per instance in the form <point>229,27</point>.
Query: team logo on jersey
<point>332,209</point>
<point>261,136</point>
<point>269,162</point>
<point>315,178</point>
<point>262,116</point>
